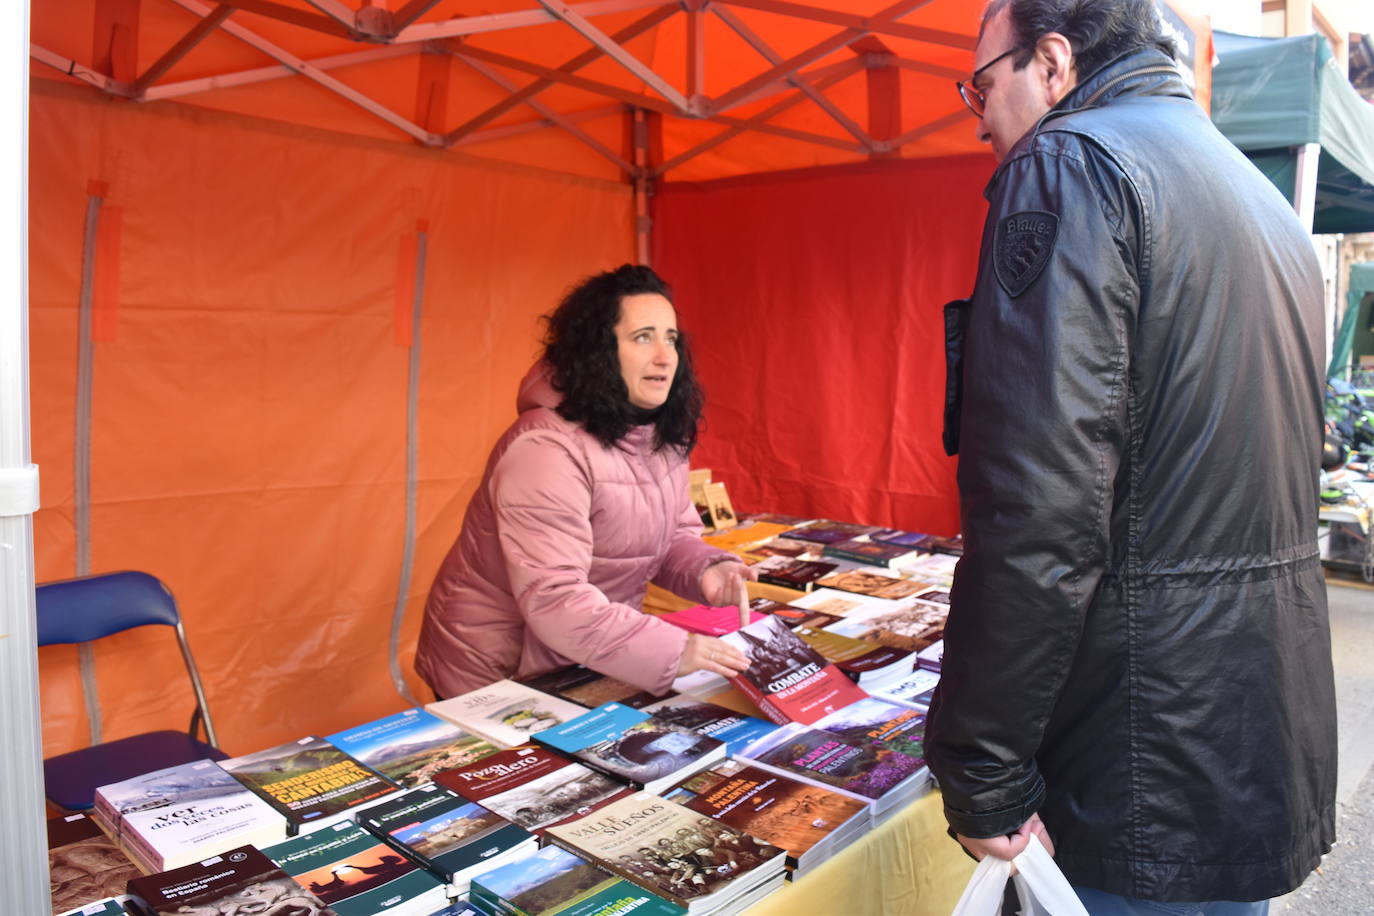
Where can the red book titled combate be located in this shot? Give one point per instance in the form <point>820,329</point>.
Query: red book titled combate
<point>786,678</point>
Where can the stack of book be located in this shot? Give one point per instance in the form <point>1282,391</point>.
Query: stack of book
<point>702,865</point>
<point>356,874</point>
<point>909,625</point>
<point>810,822</point>
<point>870,552</point>
<point>555,882</point>
<point>84,865</point>
<point>242,880</point>
<point>409,747</point>
<point>789,572</point>
<point>634,746</point>
<point>310,781</point>
<point>182,814</point>
<point>452,837</point>
<point>825,531</point>
<point>872,667</point>
<point>506,713</point>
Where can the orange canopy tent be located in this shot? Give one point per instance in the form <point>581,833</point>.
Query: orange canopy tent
<point>286,259</point>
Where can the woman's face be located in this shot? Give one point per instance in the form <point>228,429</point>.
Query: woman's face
<point>647,337</point>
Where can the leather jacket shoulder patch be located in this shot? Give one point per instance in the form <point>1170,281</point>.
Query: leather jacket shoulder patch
<point>1021,246</point>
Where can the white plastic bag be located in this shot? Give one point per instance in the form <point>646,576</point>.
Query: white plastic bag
<point>1039,882</point>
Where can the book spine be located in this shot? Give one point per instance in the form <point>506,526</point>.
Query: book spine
<point>761,700</point>
<point>856,557</point>
<point>785,582</point>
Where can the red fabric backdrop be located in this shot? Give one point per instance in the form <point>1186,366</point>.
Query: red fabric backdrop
<point>814,303</point>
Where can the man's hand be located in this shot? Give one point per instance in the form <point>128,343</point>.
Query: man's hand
<point>721,582</point>
<point>1011,845</point>
<point>711,654</point>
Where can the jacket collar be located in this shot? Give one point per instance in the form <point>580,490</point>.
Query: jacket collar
<point>1148,72</point>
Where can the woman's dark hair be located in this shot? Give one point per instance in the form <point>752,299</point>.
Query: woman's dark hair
<point>1099,31</point>
<point>581,346</point>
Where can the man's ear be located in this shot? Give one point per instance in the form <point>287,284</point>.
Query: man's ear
<point>1056,58</point>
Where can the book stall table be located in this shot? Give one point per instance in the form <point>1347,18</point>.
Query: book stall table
<point>908,866</point>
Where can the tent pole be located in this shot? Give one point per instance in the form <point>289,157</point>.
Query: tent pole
<point>640,177</point>
<point>1305,184</point>
<point>23,842</point>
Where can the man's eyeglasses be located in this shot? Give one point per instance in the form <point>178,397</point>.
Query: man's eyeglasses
<point>973,97</point>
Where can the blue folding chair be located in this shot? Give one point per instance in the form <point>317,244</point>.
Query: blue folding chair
<point>87,609</point>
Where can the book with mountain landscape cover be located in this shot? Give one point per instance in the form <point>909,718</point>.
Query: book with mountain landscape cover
<point>708,620</point>
<point>862,662</point>
<point>633,745</point>
<point>863,770</point>
<point>506,713</point>
<point>84,864</point>
<point>786,678</point>
<point>310,781</point>
<point>532,786</point>
<point>182,814</point>
<point>587,688</point>
<point>873,584</point>
<point>786,812</point>
<point>556,882</point>
<point>825,531</point>
<point>789,573</point>
<point>872,553</point>
<point>357,874</point>
<point>410,746</point>
<point>453,837</point>
<point>693,861</point>
<point>241,880</point>
<point>698,715</point>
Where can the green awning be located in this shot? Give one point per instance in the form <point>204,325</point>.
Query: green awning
<point>1361,285</point>
<point>1273,95</point>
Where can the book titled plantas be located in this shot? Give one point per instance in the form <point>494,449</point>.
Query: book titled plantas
<point>185,813</point>
<point>706,718</point>
<point>810,822</point>
<point>410,746</point>
<point>556,882</point>
<point>506,713</point>
<point>698,863</point>
<point>449,835</point>
<point>357,874</point>
<point>532,786</point>
<point>242,880</point>
<point>633,745</point>
<point>310,781</point>
<point>84,865</point>
<point>881,723</point>
<point>786,678</point>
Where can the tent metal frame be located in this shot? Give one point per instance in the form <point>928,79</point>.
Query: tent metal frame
<point>394,33</point>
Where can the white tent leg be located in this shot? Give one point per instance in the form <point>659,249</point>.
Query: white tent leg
<point>1305,192</point>
<point>23,841</point>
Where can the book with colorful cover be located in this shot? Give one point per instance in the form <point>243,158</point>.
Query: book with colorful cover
<point>556,882</point>
<point>532,786</point>
<point>899,537</point>
<point>697,863</point>
<point>84,865</point>
<point>310,781</point>
<point>912,625</point>
<point>882,723</point>
<point>743,537</point>
<point>182,814</point>
<point>793,815</point>
<point>885,777</point>
<point>698,715</point>
<point>786,678</point>
<point>786,572</point>
<point>587,688</point>
<point>506,713</point>
<point>449,835</point>
<point>633,745</point>
<point>711,621</point>
<point>869,552</point>
<point>791,615</point>
<point>241,880</point>
<point>918,689</point>
<point>357,874</point>
<point>873,584</point>
<point>410,746</point>
<point>865,663</point>
<point>825,531</point>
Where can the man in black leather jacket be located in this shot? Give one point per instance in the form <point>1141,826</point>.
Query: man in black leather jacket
<point>1138,649</point>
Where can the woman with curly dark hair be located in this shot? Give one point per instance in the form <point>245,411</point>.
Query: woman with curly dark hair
<point>584,502</point>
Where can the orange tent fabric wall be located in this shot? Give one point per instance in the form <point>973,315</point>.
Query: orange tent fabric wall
<point>815,302</point>
<point>250,389</point>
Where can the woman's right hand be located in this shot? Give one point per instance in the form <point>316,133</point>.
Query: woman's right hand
<point>706,653</point>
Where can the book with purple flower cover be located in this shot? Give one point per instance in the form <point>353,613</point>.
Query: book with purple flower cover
<point>881,723</point>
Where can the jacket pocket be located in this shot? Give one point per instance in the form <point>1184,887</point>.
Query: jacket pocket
<point>956,322</point>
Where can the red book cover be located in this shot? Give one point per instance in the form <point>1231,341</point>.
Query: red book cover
<point>786,678</point>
